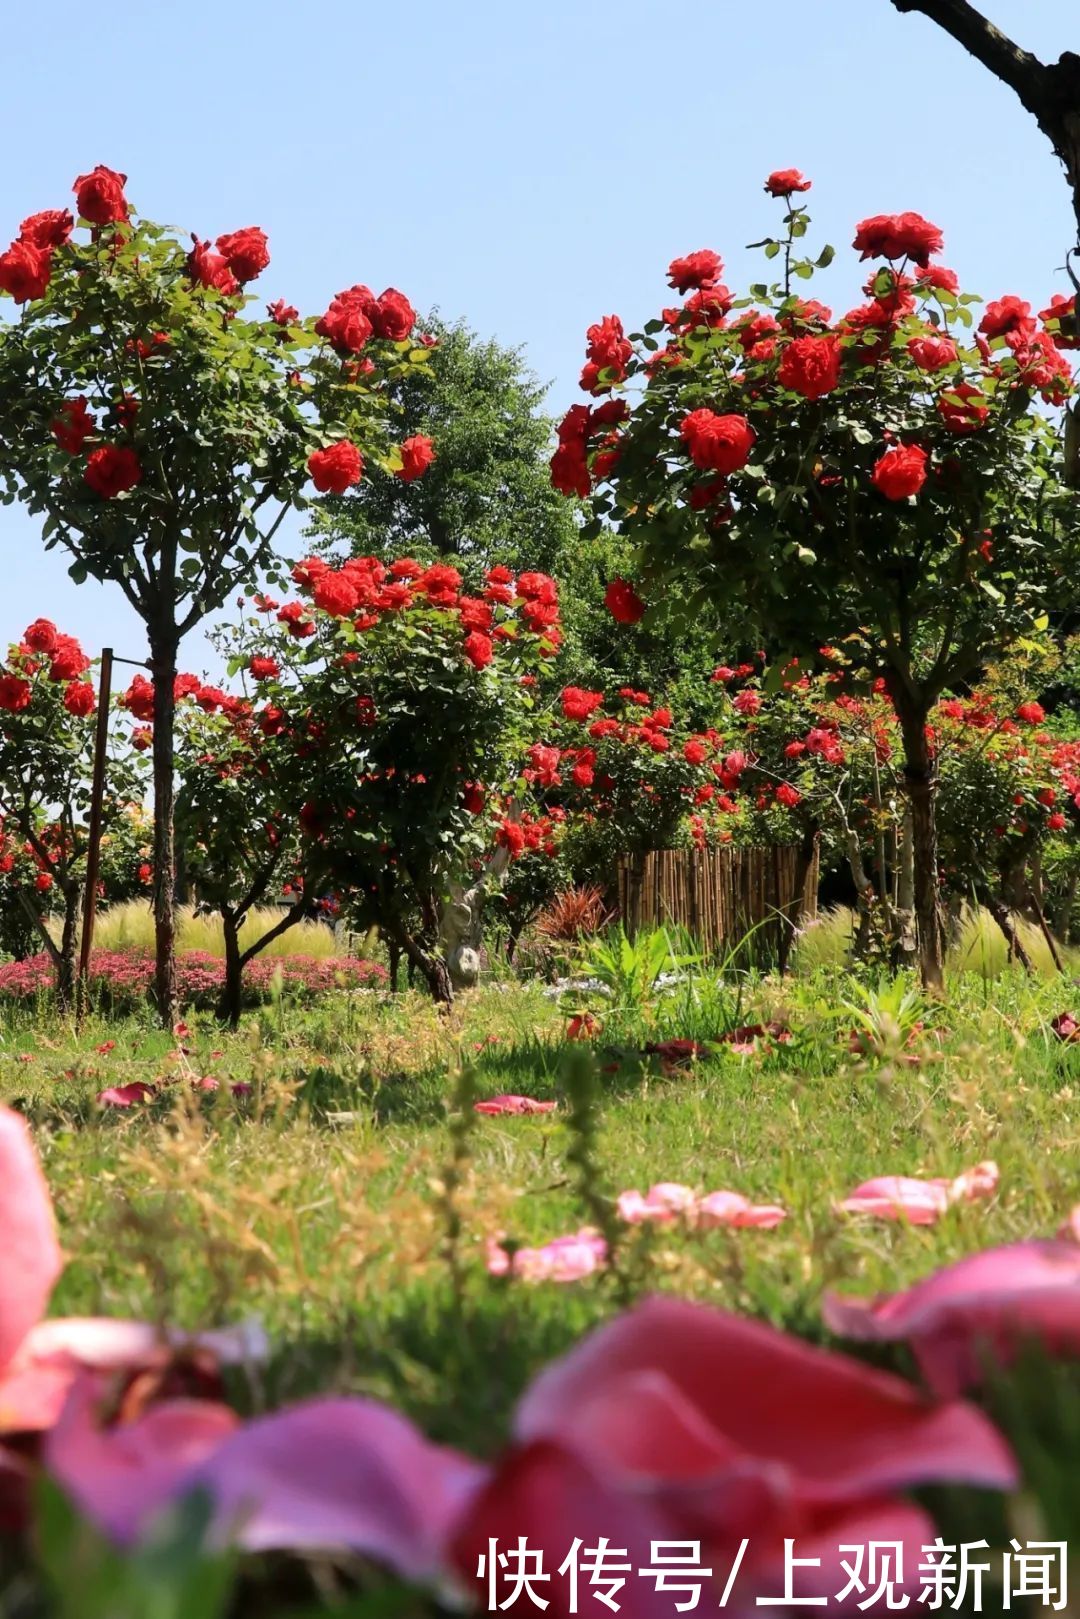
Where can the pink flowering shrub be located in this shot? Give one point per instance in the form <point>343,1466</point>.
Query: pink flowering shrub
<point>125,978</point>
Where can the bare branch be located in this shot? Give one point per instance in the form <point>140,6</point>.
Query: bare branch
<point>1022,71</point>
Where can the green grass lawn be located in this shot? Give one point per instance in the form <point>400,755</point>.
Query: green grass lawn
<point>346,1202</point>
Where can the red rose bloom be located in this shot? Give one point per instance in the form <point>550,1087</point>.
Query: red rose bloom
<point>73,426</point>
<point>79,698</point>
<point>1005,315</point>
<point>14,693</point>
<point>570,471</point>
<point>810,366</point>
<point>41,636</point>
<point>282,313</point>
<point>473,798</point>
<point>1031,713</point>
<point>695,751</point>
<point>111,470</point>
<point>512,837</point>
<point>1056,822</point>
<point>335,593</point>
<point>788,796</point>
<point>393,316</point>
<point>701,269</point>
<point>782,182</point>
<point>211,269</point>
<point>417,454</point>
<point>964,408</point>
<point>901,472</point>
<point>347,323</point>
<point>623,602</point>
<point>932,353</point>
<point>245,252</point>
<point>578,704</point>
<point>336,468</point>
<point>51,228</point>
<point>263,668</point>
<point>898,236</point>
<point>608,350</point>
<point>68,659</point>
<point>937,277</point>
<point>43,882</point>
<point>1061,312</point>
<point>100,196</point>
<point>717,443</point>
<point>25,271</point>
<point>478,649</point>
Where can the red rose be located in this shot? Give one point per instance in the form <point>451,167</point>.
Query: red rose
<point>336,468</point>
<point>570,471</point>
<point>1056,822</point>
<point>43,882</point>
<point>608,350</point>
<point>68,659</point>
<point>393,316</point>
<point>79,698</point>
<point>623,602</point>
<point>284,314</point>
<point>1008,314</point>
<point>695,751</point>
<point>578,704</point>
<point>100,196</point>
<point>810,366</point>
<point>347,324</point>
<point>73,426</point>
<point>263,668</point>
<point>417,454</point>
<point>788,796</point>
<point>335,593</point>
<point>245,252</point>
<point>25,271</point>
<point>49,229</point>
<point>14,693</point>
<point>701,269</point>
<point>1061,314</point>
<point>901,472</point>
<point>717,443</point>
<point>111,470</point>
<point>478,649</point>
<point>210,269</point>
<point>936,277</point>
<point>964,408</point>
<point>782,182</point>
<point>473,798</point>
<point>41,636</point>
<point>1031,713</point>
<point>898,236</point>
<point>932,353</point>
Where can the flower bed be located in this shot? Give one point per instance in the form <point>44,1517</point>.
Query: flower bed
<point>125,977</point>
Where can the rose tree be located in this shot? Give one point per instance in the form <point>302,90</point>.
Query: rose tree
<point>162,431</point>
<point>400,704</point>
<point>883,480</point>
<point>47,731</point>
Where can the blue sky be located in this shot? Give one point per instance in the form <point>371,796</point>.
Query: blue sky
<point>529,166</point>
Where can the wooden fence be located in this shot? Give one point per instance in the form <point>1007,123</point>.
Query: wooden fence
<point>721,895</point>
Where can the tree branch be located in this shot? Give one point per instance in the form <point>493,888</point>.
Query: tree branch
<point>1019,69</point>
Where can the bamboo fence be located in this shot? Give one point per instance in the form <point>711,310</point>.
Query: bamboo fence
<point>721,895</point>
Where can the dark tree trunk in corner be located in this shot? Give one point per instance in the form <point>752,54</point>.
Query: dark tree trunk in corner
<point>66,967</point>
<point>921,783</point>
<point>163,644</point>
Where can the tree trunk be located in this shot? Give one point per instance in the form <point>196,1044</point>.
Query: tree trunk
<point>921,783</point>
<point>229,1005</point>
<point>163,645</point>
<point>429,962</point>
<point>1004,919</point>
<point>67,964</point>
<point>907,947</point>
<point>792,913</point>
<point>1061,917</point>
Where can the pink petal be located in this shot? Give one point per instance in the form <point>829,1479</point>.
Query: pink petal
<point>985,1306</point>
<point>126,1095</point>
<point>900,1197</point>
<point>550,1496</point>
<point>732,1209</point>
<point>30,1262</point>
<point>823,1427</point>
<point>662,1204</point>
<point>513,1104</point>
<point>564,1259</point>
<point>982,1181</point>
<point>121,1478</point>
<point>832,1542</point>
